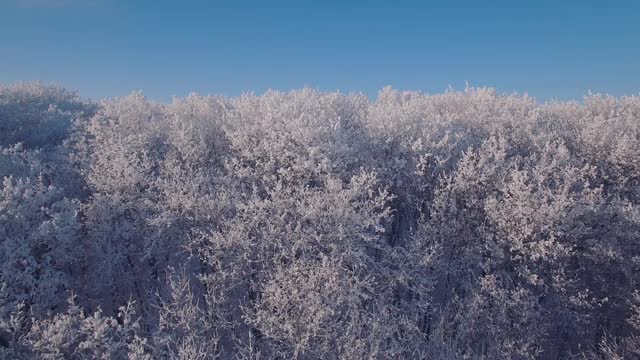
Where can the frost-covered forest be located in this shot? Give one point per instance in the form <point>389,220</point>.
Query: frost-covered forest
<point>314,225</point>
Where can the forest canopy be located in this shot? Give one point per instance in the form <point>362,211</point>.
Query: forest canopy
<point>319,225</point>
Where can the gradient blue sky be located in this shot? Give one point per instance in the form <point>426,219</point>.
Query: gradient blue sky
<point>550,49</point>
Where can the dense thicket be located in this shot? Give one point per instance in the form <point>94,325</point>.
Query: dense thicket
<point>310,225</point>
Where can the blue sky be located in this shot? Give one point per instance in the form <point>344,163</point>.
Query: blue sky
<point>103,48</point>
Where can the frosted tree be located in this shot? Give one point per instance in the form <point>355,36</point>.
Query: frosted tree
<point>313,225</point>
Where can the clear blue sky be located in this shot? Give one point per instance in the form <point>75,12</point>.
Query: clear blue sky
<point>550,49</point>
